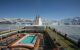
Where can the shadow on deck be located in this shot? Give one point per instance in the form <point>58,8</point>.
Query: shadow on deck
<point>48,42</point>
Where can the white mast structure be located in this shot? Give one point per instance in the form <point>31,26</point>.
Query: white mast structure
<point>37,21</point>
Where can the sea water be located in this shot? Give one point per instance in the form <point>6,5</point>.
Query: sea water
<point>4,27</point>
<point>73,31</point>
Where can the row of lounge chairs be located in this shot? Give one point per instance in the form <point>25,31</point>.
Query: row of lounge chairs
<point>7,41</point>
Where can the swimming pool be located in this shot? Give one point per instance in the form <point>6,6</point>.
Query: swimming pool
<point>28,40</point>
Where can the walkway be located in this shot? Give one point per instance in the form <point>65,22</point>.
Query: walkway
<point>59,39</point>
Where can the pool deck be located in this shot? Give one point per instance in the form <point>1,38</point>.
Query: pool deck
<point>17,43</point>
<point>36,47</point>
<point>13,36</point>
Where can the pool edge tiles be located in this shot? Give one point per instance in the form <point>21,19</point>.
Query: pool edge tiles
<point>18,43</point>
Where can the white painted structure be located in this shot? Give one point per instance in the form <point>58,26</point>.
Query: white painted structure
<point>40,21</point>
<point>37,21</point>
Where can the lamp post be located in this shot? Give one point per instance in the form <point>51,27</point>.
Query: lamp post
<point>9,29</point>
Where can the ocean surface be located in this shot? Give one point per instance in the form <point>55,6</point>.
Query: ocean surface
<point>73,31</point>
<point>4,27</point>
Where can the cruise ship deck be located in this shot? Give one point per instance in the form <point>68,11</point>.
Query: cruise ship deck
<point>30,38</point>
<point>40,38</point>
<point>36,37</point>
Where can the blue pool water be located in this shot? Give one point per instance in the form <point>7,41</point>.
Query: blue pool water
<point>28,40</point>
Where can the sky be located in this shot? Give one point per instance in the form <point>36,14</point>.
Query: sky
<point>47,9</point>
